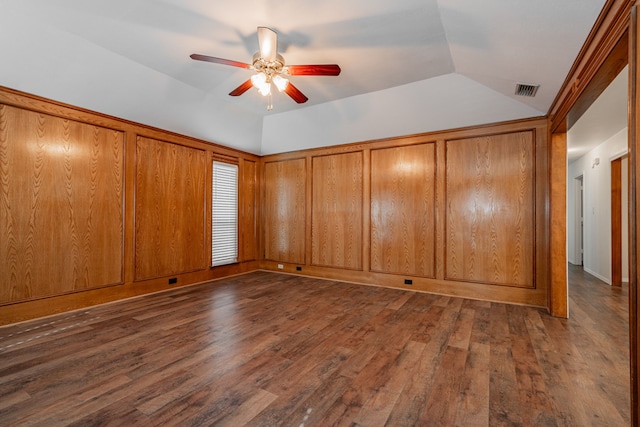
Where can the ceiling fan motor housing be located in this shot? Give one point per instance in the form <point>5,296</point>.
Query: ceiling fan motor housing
<point>270,68</point>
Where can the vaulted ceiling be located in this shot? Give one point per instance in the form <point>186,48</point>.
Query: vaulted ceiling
<point>408,66</point>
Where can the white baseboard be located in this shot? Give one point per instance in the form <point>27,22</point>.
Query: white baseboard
<point>593,273</point>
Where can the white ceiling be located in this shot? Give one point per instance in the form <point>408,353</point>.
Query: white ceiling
<point>408,66</point>
<point>605,118</point>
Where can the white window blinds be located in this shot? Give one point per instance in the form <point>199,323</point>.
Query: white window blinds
<point>224,218</point>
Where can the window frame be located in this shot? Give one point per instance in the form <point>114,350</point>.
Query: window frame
<point>227,219</point>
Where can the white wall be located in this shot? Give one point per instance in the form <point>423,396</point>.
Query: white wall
<point>458,101</point>
<point>597,206</point>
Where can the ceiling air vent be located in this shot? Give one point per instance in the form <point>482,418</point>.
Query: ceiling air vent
<point>526,89</point>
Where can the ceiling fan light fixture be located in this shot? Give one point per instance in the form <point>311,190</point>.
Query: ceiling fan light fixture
<point>280,82</point>
<point>265,89</point>
<point>270,68</point>
<point>261,83</point>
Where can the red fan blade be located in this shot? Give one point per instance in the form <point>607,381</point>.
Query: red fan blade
<point>314,70</point>
<point>295,94</point>
<point>242,88</point>
<point>213,59</point>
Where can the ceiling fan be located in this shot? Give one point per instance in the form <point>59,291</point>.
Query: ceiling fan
<point>270,68</point>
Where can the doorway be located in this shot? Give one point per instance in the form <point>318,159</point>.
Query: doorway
<point>602,134</point>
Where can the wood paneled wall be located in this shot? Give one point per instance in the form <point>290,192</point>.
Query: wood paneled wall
<point>403,210</point>
<point>125,207</point>
<point>95,209</point>
<point>490,209</point>
<point>459,212</point>
<point>61,208</point>
<point>170,179</point>
<point>248,211</point>
<point>336,210</point>
<point>284,211</point>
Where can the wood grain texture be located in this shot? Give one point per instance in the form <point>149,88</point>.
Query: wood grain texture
<point>558,300</point>
<point>248,350</point>
<point>634,211</point>
<point>600,56</point>
<point>170,209</point>
<point>441,226</point>
<point>336,225</point>
<point>490,209</point>
<point>616,222</point>
<point>536,295</point>
<point>366,211</point>
<point>285,210</point>
<point>542,220</point>
<point>248,216</point>
<point>403,210</point>
<point>120,177</point>
<point>61,205</point>
<point>611,66</point>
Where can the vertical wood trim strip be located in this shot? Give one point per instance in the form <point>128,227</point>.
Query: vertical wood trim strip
<point>558,302</point>
<point>616,223</point>
<point>542,229</point>
<point>308,213</point>
<point>129,210</point>
<point>634,213</point>
<point>208,209</point>
<point>440,210</point>
<point>366,210</point>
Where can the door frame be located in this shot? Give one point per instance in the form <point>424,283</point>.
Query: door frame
<point>616,216</point>
<point>610,46</point>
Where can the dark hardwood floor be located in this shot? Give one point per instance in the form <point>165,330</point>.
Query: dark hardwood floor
<point>267,349</point>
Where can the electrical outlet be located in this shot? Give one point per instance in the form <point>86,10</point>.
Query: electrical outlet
<point>408,282</point>
<point>280,266</point>
<point>298,268</point>
<point>173,280</point>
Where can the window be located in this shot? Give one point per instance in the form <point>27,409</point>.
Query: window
<point>224,217</point>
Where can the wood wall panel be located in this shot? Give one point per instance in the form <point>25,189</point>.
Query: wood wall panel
<point>337,199</point>
<point>170,209</point>
<point>61,205</point>
<point>68,192</point>
<point>403,216</point>
<point>504,166</point>
<point>490,209</point>
<point>248,224</point>
<point>285,210</point>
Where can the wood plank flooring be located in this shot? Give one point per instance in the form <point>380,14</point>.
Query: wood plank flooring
<point>266,349</point>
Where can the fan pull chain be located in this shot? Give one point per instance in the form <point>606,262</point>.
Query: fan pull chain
<point>269,102</point>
